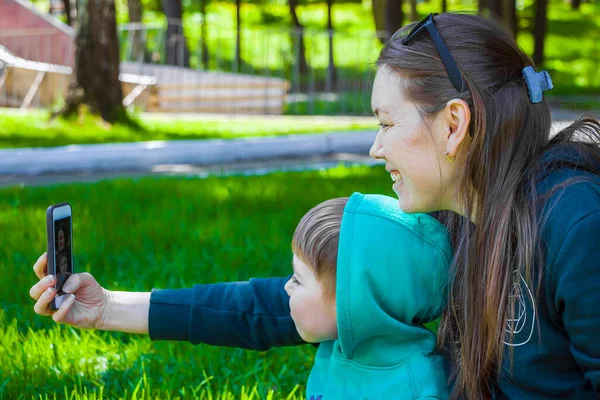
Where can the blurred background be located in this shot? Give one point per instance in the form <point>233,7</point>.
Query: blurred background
<point>298,57</point>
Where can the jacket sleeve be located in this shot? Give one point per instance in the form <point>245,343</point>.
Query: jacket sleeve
<point>250,315</point>
<point>576,279</point>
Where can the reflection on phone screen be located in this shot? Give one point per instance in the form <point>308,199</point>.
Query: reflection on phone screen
<point>62,251</point>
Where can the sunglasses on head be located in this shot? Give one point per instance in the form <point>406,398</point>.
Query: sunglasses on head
<point>449,64</point>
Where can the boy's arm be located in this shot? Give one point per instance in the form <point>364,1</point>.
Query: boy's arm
<point>252,315</point>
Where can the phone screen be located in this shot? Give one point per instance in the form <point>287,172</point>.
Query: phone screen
<point>63,257</point>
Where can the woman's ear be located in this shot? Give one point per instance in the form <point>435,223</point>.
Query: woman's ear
<point>457,118</point>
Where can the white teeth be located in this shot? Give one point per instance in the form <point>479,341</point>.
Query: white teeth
<point>396,176</point>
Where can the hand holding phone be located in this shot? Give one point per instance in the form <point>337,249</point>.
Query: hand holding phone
<point>85,308</point>
<point>59,227</point>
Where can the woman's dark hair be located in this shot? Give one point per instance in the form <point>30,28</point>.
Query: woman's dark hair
<point>509,137</point>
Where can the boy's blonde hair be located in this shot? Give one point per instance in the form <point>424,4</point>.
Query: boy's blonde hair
<point>316,241</point>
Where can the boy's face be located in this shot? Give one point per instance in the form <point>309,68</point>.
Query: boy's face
<point>314,316</point>
<point>64,263</point>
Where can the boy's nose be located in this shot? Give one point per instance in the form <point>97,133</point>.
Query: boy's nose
<point>288,288</point>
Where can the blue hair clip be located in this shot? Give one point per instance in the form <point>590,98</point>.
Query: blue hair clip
<point>537,83</point>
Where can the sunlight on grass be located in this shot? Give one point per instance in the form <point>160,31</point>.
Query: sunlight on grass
<point>33,129</point>
<point>139,234</point>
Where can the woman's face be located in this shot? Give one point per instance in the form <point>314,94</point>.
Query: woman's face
<point>61,240</point>
<point>413,150</point>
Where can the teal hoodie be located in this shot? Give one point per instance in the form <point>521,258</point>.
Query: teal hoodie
<point>392,274</point>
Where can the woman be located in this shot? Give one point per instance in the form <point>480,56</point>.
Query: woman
<point>464,131</point>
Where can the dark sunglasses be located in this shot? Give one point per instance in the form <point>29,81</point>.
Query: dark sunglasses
<point>449,64</point>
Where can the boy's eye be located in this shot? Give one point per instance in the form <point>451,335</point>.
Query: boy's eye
<point>383,126</point>
<point>295,280</point>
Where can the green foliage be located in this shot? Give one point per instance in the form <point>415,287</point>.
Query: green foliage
<point>139,234</point>
<point>33,129</point>
<point>345,103</point>
<point>572,47</point>
<point>572,51</point>
<point>269,18</point>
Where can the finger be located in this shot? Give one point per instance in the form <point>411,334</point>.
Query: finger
<point>72,284</point>
<point>41,265</point>
<point>41,286</point>
<point>41,306</point>
<point>61,315</point>
<point>77,281</point>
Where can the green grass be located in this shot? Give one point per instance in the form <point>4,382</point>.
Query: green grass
<point>139,234</point>
<point>33,129</point>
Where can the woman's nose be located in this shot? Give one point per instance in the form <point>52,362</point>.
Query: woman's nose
<point>376,149</point>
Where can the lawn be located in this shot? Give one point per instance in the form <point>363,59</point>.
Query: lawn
<point>33,129</point>
<point>139,234</point>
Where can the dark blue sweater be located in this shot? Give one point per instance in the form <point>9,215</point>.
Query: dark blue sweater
<point>557,358</point>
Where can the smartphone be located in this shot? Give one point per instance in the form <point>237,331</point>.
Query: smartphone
<point>59,227</point>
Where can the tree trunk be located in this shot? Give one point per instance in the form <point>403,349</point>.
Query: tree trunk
<point>495,6</point>
<point>331,71</point>
<point>95,80</point>
<point>482,5</point>
<point>509,16</point>
<point>503,10</point>
<point>539,33</point>
<point>506,12</point>
<point>413,10</point>
<point>135,10</point>
<point>138,47</point>
<point>177,52</point>
<point>378,7</point>
<point>238,34</point>
<point>203,39</point>
<point>393,16</point>
<point>575,4</point>
<point>298,37</point>
<point>67,7</point>
<point>444,6</point>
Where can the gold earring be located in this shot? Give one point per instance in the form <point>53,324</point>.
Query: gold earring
<point>449,157</point>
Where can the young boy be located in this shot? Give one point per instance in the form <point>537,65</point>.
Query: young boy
<point>365,301</point>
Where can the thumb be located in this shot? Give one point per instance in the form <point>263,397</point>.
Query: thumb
<point>77,281</point>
